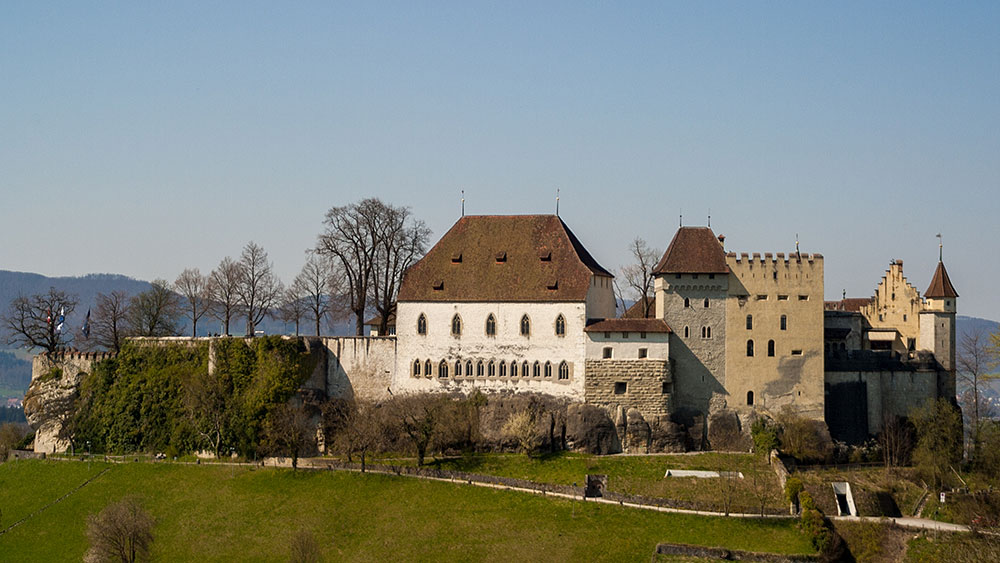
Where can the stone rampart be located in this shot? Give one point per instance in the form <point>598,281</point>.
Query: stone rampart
<point>644,385</point>
<point>360,366</point>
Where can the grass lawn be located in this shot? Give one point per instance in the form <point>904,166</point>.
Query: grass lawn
<point>638,475</point>
<point>221,513</point>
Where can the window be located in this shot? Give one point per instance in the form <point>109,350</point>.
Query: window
<point>642,334</point>
<point>427,367</point>
<point>796,352</point>
<point>606,353</point>
<point>513,369</point>
<point>687,332</point>
<point>503,369</point>
<point>782,298</point>
<point>749,322</point>
<point>643,352</point>
<point>677,276</point>
<point>706,302</point>
<point>784,322</point>
<point>762,297</point>
<point>803,298</point>
<point>479,368</point>
<point>456,326</point>
<point>560,326</point>
<point>904,317</point>
<point>620,387</point>
<point>706,332</point>
<point>687,302</point>
<point>665,388</point>
<point>422,324</point>
<point>749,348</point>
<point>524,369</point>
<point>750,397</point>
<point>443,369</point>
<point>458,367</point>
<point>563,370</point>
<point>625,335</point>
<point>607,335</point>
<point>491,369</point>
<point>525,326</point>
<point>770,348</point>
<point>548,369</point>
<point>491,325</point>
<point>468,368</point>
<point>536,370</point>
<point>711,276</point>
<point>416,367</point>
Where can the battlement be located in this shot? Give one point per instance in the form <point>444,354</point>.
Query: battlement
<point>73,354</point>
<point>779,258</point>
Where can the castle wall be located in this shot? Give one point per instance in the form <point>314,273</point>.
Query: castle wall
<point>698,343</point>
<point>888,393</point>
<point>768,288</point>
<point>656,344</point>
<point>51,394</point>
<point>641,384</point>
<point>359,367</point>
<point>508,344</point>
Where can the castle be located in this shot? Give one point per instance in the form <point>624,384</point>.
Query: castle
<point>516,303</point>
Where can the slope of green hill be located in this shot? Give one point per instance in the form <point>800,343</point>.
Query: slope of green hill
<point>217,513</point>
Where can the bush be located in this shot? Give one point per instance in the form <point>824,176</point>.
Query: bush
<point>123,531</point>
<point>804,439</point>
<point>764,435</point>
<point>793,486</point>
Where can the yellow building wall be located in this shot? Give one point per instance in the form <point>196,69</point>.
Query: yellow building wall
<point>896,304</point>
<point>769,287</point>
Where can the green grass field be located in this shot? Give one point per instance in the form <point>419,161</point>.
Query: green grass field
<point>637,475</point>
<point>218,513</point>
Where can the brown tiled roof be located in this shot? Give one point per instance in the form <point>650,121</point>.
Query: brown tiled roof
<point>503,258</point>
<point>941,284</point>
<point>635,311</point>
<point>852,304</point>
<point>694,250</point>
<point>374,321</point>
<point>628,325</point>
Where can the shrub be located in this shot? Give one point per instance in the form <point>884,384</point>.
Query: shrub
<point>793,486</point>
<point>123,531</point>
<point>764,435</point>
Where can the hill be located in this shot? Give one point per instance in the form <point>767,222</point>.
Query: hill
<point>219,513</point>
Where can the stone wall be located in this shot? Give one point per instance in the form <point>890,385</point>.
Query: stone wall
<point>640,384</point>
<point>360,366</point>
<point>858,401</point>
<point>55,381</point>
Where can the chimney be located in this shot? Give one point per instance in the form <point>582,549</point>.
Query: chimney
<point>722,240</point>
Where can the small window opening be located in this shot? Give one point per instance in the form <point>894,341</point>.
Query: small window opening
<point>749,322</point>
<point>770,348</point>
<point>643,352</point>
<point>620,387</point>
<point>784,322</point>
<point>606,353</point>
<point>749,348</point>
<point>750,397</point>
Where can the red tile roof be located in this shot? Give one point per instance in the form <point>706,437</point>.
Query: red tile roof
<point>503,258</point>
<point>852,304</point>
<point>941,284</point>
<point>635,311</point>
<point>694,250</point>
<point>628,325</point>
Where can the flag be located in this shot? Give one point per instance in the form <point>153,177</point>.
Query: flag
<point>62,318</point>
<point>86,325</point>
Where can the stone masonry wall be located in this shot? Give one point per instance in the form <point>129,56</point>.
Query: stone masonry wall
<point>360,366</point>
<point>647,386</point>
<point>55,381</point>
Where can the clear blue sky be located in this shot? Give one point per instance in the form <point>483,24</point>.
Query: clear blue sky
<point>142,139</point>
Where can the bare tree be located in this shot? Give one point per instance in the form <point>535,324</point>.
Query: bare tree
<point>896,440</point>
<point>638,275</point>
<point>289,431</point>
<point>419,418</point>
<point>37,321</point>
<point>222,288</point>
<point>361,431</point>
<point>350,237</point>
<point>206,404</point>
<point>975,358</point>
<point>109,325</point>
<point>401,241</point>
<point>520,427</point>
<point>258,289</point>
<point>312,285</point>
<point>763,485</point>
<point>305,549</point>
<point>193,288</point>
<point>729,484</point>
<point>293,306</point>
<point>123,531</point>
<point>154,312</point>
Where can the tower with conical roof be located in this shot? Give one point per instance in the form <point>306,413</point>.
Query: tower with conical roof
<point>937,327</point>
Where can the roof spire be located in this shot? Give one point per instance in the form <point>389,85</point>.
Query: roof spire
<point>940,248</point>
<point>557,202</point>
<point>709,217</point>
<point>463,203</point>
<point>681,219</point>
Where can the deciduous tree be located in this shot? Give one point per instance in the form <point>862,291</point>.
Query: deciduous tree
<point>289,431</point>
<point>154,312</point>
<point>109,325</point>
<point>939,440</point>
<point>312,285</point>
<point>123,531</point>
<point>638,276</point>
<point>977,356</point>
<point>292,307</point>
<point>401,241</point>
<point>258,289</point>
<point>34,321</point>
<point>193,288</point>
<point>362,430</point>
<point>520,427</point>
<point>223,283</point>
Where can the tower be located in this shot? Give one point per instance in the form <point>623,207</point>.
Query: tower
<point>937,327</point>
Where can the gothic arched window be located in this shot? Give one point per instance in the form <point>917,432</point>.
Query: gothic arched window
<point>548,369</point>
<point>491,325</point>
<point>563,370</point>
<point>770,347</point>
<point>443,369</point>
<point>560,326</point>
<point>456,326</point>
<point>749,348</point>
<point>525,326</point>
<point>422,324</point>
